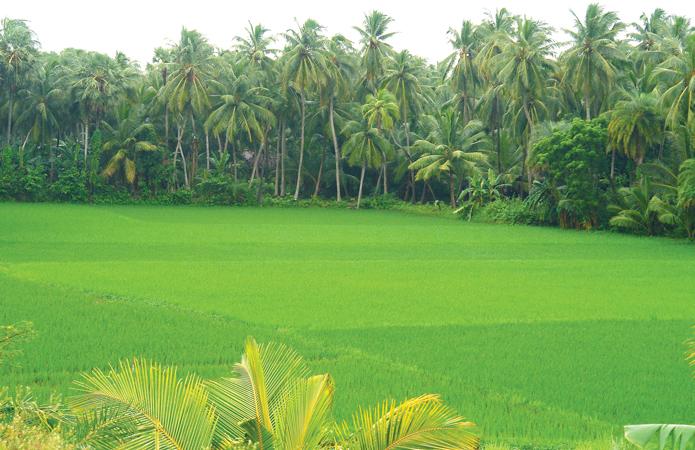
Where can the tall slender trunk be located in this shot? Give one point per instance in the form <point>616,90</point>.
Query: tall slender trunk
<point>424,192</point>
<point>301,147</point>
<point>195,143</point>
<point>386,184</point>
<point>498,134</point>
<point>452,197</point>
<point>86,142</point>
<point>411,172</point>
<point>277,164</point>
<point>378,181</point>
<point>51,157</point>
<point>336,149</point>
<point>21,150</point>
<point>180,128</point>
<point>207,150</point>
<point>527,137</point>
<point>320,175</point>
<point>234,162</point>
<point>10,107</point>
<point>166,128</point>
<point>256,160</point>
<point>283,155</point>
<point>587,104</point>
<point>359,193</point>
<point>613,165</point>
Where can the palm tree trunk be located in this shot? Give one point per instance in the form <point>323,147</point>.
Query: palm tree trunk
<point>283,155</point>
<point>166,128</point>
<point>320,175</point>
<point>277,165</point>
<point>452,198</point>
<point>378,181</point>
<point>21,150</point>
<point>336,149</point>
<point>207,150</point>
<point>10,107</point>
<point>587,104</point>
<point>386,184</point>
<point>613,165</point>
<point>359,192</point>
<point>179,150</point>
<point>526,138</point>
<point>86,142</point>
<point>234,162</point>
<point>301,147</point>
<point>411,172</point>
<point>256,160</point>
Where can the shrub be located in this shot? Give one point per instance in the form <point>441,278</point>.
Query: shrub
<point>220,190</point>
<point>509,210</point>
<point>70,186</point>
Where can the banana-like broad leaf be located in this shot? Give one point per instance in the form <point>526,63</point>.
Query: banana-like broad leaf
<point>129,170</point>
<point>423,422</point>
<point>259,385</point>
<point>160,409</point>
<point>677,435</point>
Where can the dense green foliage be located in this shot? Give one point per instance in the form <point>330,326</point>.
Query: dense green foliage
<point>536,334</point>
<point>306,114</point>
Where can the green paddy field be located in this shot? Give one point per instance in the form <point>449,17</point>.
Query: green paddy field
<point>540,336</point>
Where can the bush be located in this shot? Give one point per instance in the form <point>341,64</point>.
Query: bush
<point>220,190</point>
<point>386,201</point>
<point>70,186</point>
<point>508,210</point>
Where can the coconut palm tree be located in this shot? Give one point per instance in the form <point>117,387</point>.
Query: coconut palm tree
<point>269,401</point>
<point>41,102</point>
<point>124,141</point>
<point>186,91</point>
<point>243,111</point>
<point>340,71</point>
<point>403,78</point>
<point>305,63</point>
<point>365,147</point>
<point>381,112</point>
<point>18,49</point>
<point>375,50</point>
<point>635,125</point>
<point>677,75</point>
<point>637,210</point>
<point>524,67</point>
<point>255,46</point>
<point>98,83</point>
<point>451,148</point>
<point>591,60</point>
<point>461,66</point>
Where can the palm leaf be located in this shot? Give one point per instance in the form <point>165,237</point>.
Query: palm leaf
<point>423,422</point>
<point>259,384</point>
<point>160,409</point>
<point>305,418</point>
<point>677,435</point>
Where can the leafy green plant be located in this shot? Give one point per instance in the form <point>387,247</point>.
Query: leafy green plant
<point>270,401</point>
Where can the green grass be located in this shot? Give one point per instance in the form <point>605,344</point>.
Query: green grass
<point>539,335</point>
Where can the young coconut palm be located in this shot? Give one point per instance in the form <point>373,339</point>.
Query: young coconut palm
<point>366,147</point>
<point>124,142</point>
<point>269,402</point>
<point>450,149</point>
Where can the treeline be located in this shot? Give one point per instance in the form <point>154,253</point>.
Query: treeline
<point>595,132</point>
